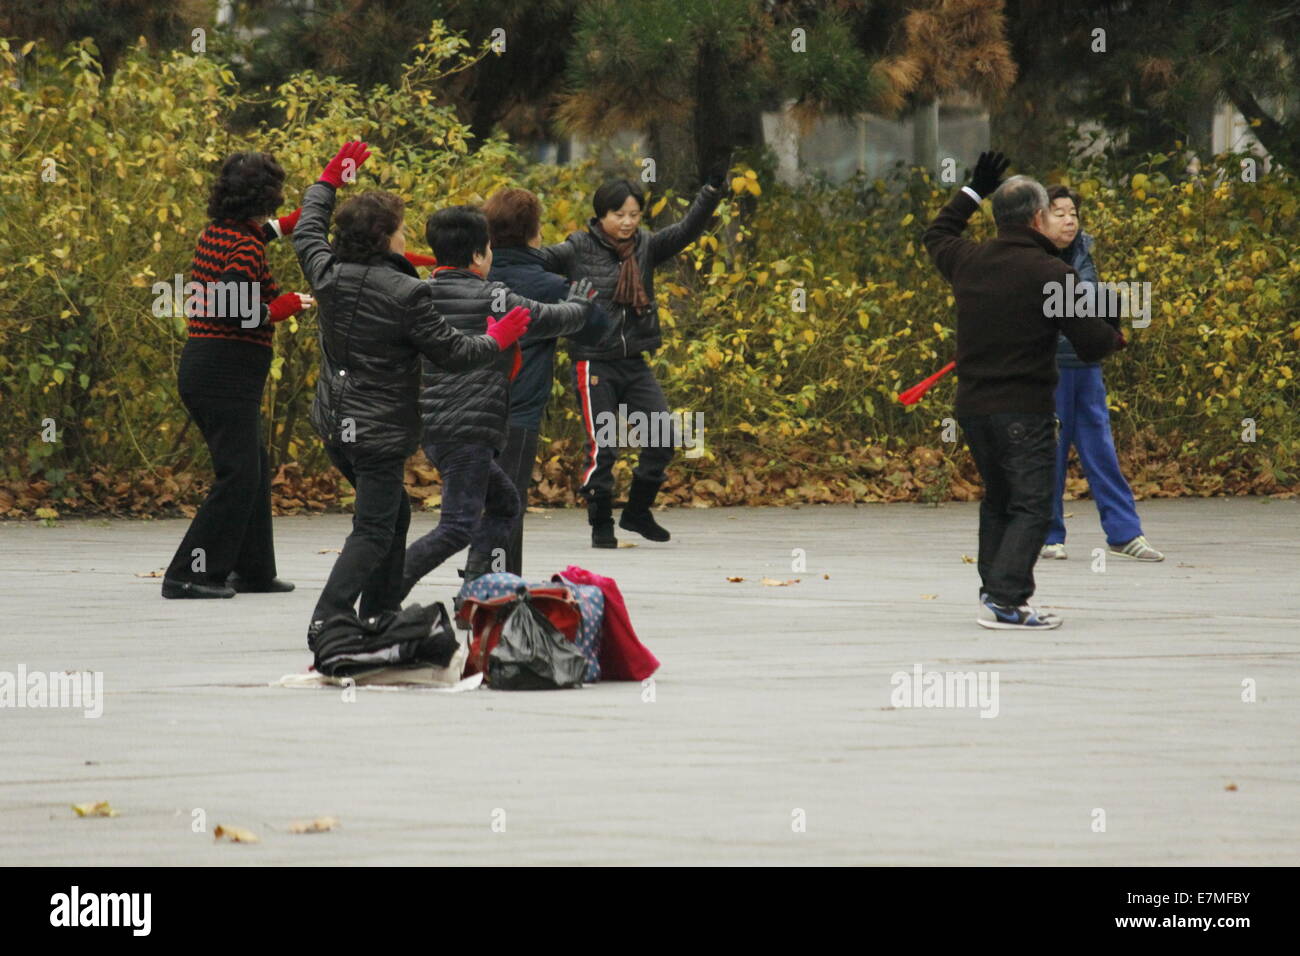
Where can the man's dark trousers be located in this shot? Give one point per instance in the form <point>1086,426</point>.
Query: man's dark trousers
<point>1016,457</point>
<point>602,387</point>
<point>371,563</point>
<point>479,505</point>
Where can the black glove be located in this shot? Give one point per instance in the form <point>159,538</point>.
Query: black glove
<point>988,173</point>
<point>717,177</point>
<point>581,291</point>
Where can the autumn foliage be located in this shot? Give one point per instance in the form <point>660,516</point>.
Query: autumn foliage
<point>792,325</point>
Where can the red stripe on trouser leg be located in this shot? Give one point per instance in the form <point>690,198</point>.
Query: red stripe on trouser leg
<point>584,399</point>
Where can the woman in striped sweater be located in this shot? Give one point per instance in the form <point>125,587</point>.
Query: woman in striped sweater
<point>223,369</point>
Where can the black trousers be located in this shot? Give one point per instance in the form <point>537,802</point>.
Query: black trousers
<point>517,460</point>
<point>232,529</point>
<point>479,506</point>
<point>602,387</point>
<point>1016,457</point>
<point>370,566</point>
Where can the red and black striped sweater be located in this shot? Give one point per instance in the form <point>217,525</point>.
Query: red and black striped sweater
<point>222,357</point>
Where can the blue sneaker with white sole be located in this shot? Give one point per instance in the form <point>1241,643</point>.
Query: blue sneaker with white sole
<point>999,617</point>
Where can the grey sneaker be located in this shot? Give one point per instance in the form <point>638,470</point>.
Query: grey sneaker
<point>1138,549</point>
<point>1056,551</point>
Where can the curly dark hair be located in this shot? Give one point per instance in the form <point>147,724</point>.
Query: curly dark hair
<point>249,185</point>
<point>364,224</point>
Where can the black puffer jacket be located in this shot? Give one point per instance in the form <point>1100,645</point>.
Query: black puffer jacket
<point>589,255</point>
<point>376,320</point>
<point>474,407</point>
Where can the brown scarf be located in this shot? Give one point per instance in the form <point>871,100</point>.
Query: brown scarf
<point>630,289</point>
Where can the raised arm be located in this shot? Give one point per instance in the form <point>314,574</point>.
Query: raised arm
<point>559,258</point>
<point>274,228</point>
<point>667,242</point>
<point>943,239</point>
<point>315,256</point>
<point>551,320</point>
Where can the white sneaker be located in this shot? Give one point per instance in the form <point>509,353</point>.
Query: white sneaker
<point>1138,549</point>
<point>1056,551</point>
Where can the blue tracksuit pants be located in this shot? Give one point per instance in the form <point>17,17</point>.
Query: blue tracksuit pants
<point>1085,424</point>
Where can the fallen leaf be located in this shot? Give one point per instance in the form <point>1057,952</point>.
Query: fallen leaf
<point>735,580</point>
<point>98,808</point>
<point>319,825</point>
<point>1231,786</point>
<point>627,544</point>
<point>774,583</point>
<point>928,597</point>
<point>826,577</point>
<point>151,574</point>
<point>330,551</point>
<point>235,835</point>
<point>967,559</point>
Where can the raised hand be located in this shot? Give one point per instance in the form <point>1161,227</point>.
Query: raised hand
<point>988,173</point>
<point>342,169</point>
<point>284,225</point>
<point>582,291</point>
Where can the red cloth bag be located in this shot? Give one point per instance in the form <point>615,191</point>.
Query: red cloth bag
<point>622,655</point>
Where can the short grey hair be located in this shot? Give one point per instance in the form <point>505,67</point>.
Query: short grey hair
<point>1016,201</point>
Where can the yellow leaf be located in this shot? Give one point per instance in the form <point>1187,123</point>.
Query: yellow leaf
<point>98,808</point>
<point>319,825</point>
<point>27,47</point>
<point>658,207</point>
<point>907,219</point>
<point>235,834</point>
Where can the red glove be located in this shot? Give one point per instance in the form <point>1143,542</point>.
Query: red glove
<point>284,225</point>
<point>283,306</point>
<point>345,162</point>
<point>508,330</point>
<point>416,259</point>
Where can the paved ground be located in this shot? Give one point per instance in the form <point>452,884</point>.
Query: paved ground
<point>771,701</point>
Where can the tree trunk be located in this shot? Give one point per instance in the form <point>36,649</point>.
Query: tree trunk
<point>925,135</point>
